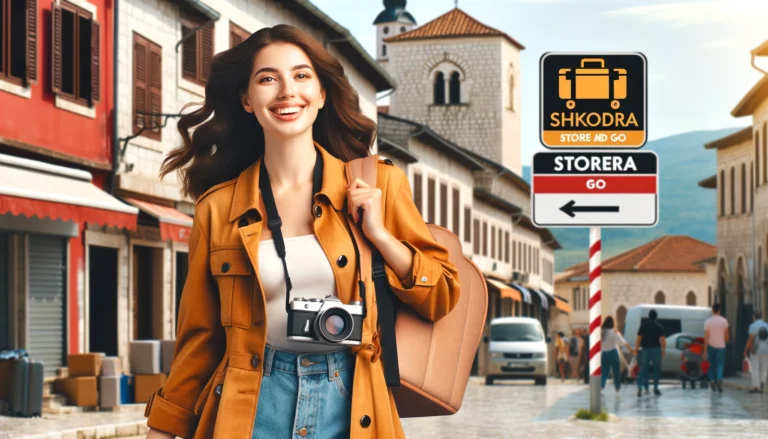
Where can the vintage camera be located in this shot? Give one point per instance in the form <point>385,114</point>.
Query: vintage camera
<point>326,321</point>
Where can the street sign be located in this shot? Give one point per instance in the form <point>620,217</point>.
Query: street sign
<point>594,100</point>
<point>595,189</point>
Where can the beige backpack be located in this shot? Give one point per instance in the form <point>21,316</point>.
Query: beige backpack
<point>429,374</point>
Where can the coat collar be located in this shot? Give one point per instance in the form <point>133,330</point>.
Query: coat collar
<point>247,191</point>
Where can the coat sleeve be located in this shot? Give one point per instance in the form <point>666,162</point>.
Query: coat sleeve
<point>200,343</point>
<point>432,287</point>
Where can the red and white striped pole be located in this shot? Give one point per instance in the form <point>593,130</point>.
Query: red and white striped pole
<point>595,320</point>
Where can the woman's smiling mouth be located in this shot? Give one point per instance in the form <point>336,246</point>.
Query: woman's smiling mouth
<point>287,113</point>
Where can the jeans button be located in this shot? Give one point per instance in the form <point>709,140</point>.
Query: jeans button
<point>305,362</point>
<point>303,431</point>
<point>255,361</point>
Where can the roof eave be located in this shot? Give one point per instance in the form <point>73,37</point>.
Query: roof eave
<point>731,139</point>
<point>398,39</point>
<point>390,148</point>
<point>752,99</point>
<point>709,182</point>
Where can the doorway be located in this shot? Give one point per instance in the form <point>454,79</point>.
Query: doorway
<point>102,300</point>
<point>5,342</point>
<point>147,293</point>
<point>182,268</point>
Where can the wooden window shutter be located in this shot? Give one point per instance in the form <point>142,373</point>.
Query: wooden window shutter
<point>499,243</point>
<point>493,241</point>
<point>431,200</point>
<point>514,255</point>
<point>467,224</point>
<point>31,76</point>
<point>443,205</point>
<point>506,247</point>
<point>56,50</point>
<point>155,87</point>
<point>207,53</point>
<point>189,54</point>
<point>476,236</point>
<point>417,192</point>
<point>456,212</point>
<point>485,238</point>
<point>139,82</point>
<point>234,38</point>
<point>95,37</point>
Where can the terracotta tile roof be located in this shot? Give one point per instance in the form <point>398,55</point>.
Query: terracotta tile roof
<point>454,23</point>
<point>668,254</point>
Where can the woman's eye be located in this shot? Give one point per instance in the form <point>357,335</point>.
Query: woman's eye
<point>302,76</point>
<point>267,79</point>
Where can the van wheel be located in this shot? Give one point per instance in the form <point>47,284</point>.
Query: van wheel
<point>541,381</point>
<point>488,381</point>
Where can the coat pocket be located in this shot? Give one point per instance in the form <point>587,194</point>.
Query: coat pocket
<point>207,406</point>
<point>235,278</point>
<point>237,409</point>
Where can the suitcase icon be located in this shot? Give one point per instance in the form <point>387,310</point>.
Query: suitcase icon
<point>592,83</point>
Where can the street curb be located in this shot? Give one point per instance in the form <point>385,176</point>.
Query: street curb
<point>122,430</point>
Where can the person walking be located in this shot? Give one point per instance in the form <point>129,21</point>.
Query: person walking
<point>652,345</point>
<point>575,346</point>
<point>561,353</point>
<point>757,351</point>
<point>585,355</point>
<point>716,335</point>
<point>609,355</point>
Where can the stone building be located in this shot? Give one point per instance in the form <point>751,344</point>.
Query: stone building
<point>164,51</point>
<point>458,140</point>
<point>671,270</point>
<point>741,182</point>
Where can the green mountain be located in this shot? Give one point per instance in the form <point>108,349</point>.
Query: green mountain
<point>685,208</point>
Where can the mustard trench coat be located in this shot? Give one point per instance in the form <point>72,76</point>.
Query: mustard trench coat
<point>213,388</point>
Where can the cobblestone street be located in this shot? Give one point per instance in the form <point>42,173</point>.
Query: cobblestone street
<point>506,410</point>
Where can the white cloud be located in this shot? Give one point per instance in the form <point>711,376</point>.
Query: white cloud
<point>696,12</point>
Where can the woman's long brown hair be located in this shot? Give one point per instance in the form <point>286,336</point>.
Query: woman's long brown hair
<point>226,139</point>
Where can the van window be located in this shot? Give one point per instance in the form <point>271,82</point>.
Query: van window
<point>671,326</point>
<point>516,332</point>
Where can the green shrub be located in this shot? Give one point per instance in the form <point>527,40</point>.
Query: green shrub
<point>589,416</point>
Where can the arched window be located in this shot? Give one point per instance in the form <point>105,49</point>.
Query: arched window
<point>757,155</point>
<point>455,89</point>
<point>383,50</point>
<point>765,155</point>
<point>439,89</point>
<point>743,194</point>
<point>751,187</point>
<point>721,188</point>
<point>659,299</point>
<point>709,294</point>
<point>690,299</point>
<point>621,316</point>
<point>512,92</point>
<point>733,191</point>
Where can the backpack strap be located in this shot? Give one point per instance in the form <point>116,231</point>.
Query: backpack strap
<point>365,169</point>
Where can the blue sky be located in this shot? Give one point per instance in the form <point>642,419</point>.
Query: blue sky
<point>698,51</point>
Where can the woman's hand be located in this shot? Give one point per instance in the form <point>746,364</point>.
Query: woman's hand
<point>361,196</point>
<point>155,434</point>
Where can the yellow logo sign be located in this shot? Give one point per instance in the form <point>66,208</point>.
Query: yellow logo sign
<point>593,100</point>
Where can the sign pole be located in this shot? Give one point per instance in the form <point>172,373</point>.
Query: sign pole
<point>594,320</point>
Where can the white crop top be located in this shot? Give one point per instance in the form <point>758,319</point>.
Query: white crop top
<point>311,276</point>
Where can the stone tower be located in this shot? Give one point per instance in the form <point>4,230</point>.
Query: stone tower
<point>462,78</point>
<point>392,21</point>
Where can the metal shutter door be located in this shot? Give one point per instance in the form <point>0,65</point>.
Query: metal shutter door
<point>47,280</point>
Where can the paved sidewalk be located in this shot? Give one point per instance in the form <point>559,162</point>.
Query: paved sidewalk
<point>90,425</point>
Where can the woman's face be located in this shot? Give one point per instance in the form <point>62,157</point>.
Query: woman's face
<point>284,92</point>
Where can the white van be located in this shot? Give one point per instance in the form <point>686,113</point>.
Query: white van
<point>674,319</point>
<point>517,350</point>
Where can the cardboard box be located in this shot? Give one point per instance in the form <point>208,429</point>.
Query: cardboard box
<point>60,386</point>
<point>109,391</point>
<point>111,367</point>
<point>166,355</point>
<point>84,365</point>
<point>83,391</point>
<point>145,385</point>
<point>145,357</point>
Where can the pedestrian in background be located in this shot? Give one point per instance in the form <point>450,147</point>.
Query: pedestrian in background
<point>575,345</point>
<point>609,355</point>
<point>651,344</point>
<point>757,351</point>
<point>561,353</point>
<point>585,355</point>
<point>716,336</point>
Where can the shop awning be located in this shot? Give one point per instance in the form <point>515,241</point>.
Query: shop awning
<point>550,297</point>
<point>562,305</point>
<point>504,290</point>
<point>523,291</point>
<point>35,189</point>
<point>174,225</point>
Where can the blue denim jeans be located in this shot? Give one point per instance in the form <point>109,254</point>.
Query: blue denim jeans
<point>609,362</point>
<point>305,391</point>
<point>648,356</point>
<point>716,357</point>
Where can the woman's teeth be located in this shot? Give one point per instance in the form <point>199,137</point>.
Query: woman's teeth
<point>288,110</point>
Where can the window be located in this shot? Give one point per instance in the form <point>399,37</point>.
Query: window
<point>514,255</point>
<point>493,241</point>
<point>733,191</point>
<point>431,200</point>
<point>439,89</point>
<point>443,205</point>
<point>538,261</point>
<point>237,34</point>
<point>512,92</point>
<point>383,50</point>
<point>709,293</point>
<point>485,238</point>
<point>456,212</point>
<point>765,154</point>
<point>476,236</point>
<point>402,28</point>
<point>385,30</point>
<point>659,298</point>
<point>197,51</point>
<point>499,244</point>
<point>621,317</point>
<point>690,299</point>
<point>147,87</point>
<point>743,194</point>
<point>455,89</point>
<point>417,192</point>
<point>757,154</point>
<point>721,187</point>
<point>506,247</point>
<point>467,224</point>
<point>18,50</point>
<point>576,292</point>
<point>75,54</point>
<point>751,187</point>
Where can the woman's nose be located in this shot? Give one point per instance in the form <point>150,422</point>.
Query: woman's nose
<point>287,88</point>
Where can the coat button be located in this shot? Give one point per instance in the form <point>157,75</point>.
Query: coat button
<point>303,431</point>
<point>218,389</point>
<point>255,361</point>
<point>318,210</point>
<point>423,278</point>
<point>243,222</point>
<point>225,267</point>
<point>341,261</point>
<point>365,421</point>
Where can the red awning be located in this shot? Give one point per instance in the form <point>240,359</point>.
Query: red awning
<point>36,189</point>
<point>174,225</point>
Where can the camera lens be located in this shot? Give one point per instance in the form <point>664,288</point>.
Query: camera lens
<point>334,325</point>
